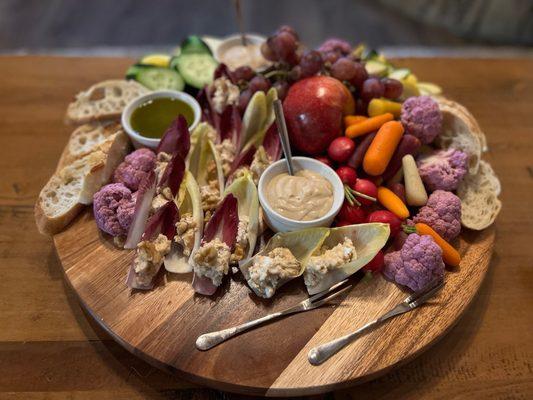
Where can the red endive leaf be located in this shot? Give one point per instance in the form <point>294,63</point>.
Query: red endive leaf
<point>224,222</point>
<point>230,125</point>
<point>223,70</point>
<point>173,174</point>
<point>162,221</point>
<point>243,158</point>
<point>176,139</point>
<point>145,194</point>
<point>203,285</point>
<point>272,143</point>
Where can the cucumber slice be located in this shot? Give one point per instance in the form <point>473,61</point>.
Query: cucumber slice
<point>194,45</point>
<point>196,69</point>
<point>400,73</point>
<point>376,68</point>
<point>133,70</point>
<point>157,60</point>
<point>160,78</point>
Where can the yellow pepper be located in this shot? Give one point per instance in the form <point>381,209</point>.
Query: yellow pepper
<point>382,106</point>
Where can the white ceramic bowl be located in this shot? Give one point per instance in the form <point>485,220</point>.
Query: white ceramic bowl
<point>278,222</point>
<point>235,40</point>
<point>141,141</point>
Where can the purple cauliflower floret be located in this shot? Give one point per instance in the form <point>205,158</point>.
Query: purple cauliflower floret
<point>135,167</point>
<point>108,203</point>
<point>421,117</point>
<point>417,263</point>
<point>335,45</point>
<point>442,212</point>
<point>125,212</point>
<point>443,169</point>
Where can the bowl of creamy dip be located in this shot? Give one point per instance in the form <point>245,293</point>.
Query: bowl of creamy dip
<point>311,197</point>
<point>232,53</point>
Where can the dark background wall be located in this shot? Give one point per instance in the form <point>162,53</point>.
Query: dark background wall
<point>38,24</point>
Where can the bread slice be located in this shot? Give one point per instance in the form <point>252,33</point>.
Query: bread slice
<point>74,185</point>
<point>103,101</point>
<point>479,198</point>
<point>85,139</point>
<point>460,131</point>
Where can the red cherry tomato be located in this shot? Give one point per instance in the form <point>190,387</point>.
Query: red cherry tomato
<point>387,217</point>
<point>376,264</point>
<point>347,174</point>
<point>352,214</point>
<point>341,148</point>
<point>366,187</point>
<point>325,160</point>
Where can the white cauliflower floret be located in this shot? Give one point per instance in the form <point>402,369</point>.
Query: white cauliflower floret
<point>269,270</point>
<point>185,231</point>
<point>224,93</point>
<point>212,260</point>
<point>327,260</point>
<point>149,257</point>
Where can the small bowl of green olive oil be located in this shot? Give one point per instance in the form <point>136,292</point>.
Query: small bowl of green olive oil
<point>147,117</point>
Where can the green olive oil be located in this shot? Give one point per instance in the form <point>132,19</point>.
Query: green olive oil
<point>152,118</point>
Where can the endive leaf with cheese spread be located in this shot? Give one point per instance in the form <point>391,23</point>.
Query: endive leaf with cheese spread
<point>345,251</point>
<point>281,260</point>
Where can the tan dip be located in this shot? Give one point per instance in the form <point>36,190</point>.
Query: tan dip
<point>239,55</point>
<point>303,197</point>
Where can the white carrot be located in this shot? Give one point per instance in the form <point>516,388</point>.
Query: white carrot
<point>415,192</point>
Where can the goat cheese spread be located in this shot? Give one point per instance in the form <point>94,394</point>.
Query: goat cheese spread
<point>268,271</point>
<point>304,196</point>
<point>212,260</point>
<point>328,259</point>
<point>149,257</point>
<point>241,242</point>
<point>225,93</point>
<point>210,196</point>
<point>226,150</point>
<point>185,230</point>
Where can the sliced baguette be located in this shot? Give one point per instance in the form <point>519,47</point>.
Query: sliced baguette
<point>74,185</point>
<point>103,101</point>
<point>479,198</point>
<point>460,131</point>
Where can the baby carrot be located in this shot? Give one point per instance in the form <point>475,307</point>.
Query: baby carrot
<point>449,255</point>
<point>382,148</point>
<point>392,202</point>
<point>354,119</point>
<point>368,125</point>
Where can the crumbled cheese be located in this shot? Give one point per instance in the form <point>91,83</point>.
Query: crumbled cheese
<point>226,151</point>
<point>259,163</point>
<point>327,260</point>
<point>212,260</point>
<point>268,271</point>
<point>162,197</point>
<point>149,257</point>
<point>161,162</point>
<point>210,195</point>
<point>185,231</point>
<point>241,242</point>
<point>224,94</point>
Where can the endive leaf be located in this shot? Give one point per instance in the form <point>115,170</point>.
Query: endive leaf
<point>204,152</point>
<point>176,139</point>
<point>302,244</point>
<point>254,117</point>
<point>367,239</point>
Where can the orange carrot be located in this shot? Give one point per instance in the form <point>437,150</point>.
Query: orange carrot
<point>354,119</point>
<point>393,203</point>
<point>382,148</point>
<point>449,254</point>
<point>368,125</point>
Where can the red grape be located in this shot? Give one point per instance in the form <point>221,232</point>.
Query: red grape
<point>282,87</point>
<point>343,69</point>
<point>259,82</point>
<point>288,29</point>
<point>376,264</point>
<point>387,217</point>
<point>341,148</point>
<point>283,44</point>
<point>366,187</point>
<point>244,99</point>
<point>393,88</point>
<point>331,56</point>
<point>347,174</point>
<point>267,52</point>
<point>352,214</point>
<point>325,160</point>
<point>244,73</point>
<point>310,63</point>
<point>295,73</point>
<point>372,88</point>
<point>360,74</point>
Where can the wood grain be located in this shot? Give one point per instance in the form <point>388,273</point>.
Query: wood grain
<point>56,351</point>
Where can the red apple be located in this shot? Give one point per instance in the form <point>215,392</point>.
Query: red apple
<point>313,109</point>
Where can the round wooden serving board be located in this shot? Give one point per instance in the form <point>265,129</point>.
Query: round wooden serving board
<point>162,325</point>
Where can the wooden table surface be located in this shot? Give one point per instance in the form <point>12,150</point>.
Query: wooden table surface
<point>49,349</point>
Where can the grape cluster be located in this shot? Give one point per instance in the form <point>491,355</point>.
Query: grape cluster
<point>291,62</point>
